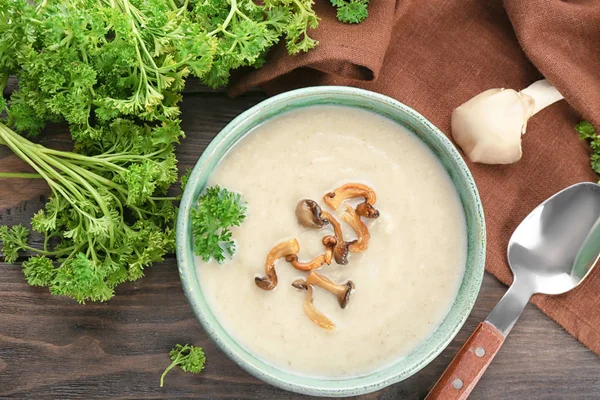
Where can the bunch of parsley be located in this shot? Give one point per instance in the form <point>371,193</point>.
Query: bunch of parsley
<point>113,70</point>
<point>89,62</point>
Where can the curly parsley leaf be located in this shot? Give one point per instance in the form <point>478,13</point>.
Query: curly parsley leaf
<point>14,240</point>
<point>39,271</point>
<point>586,131</point>
<point>188,358</point>
<point>351,11</point>
<point>217,211</point>
<point>184,179</point>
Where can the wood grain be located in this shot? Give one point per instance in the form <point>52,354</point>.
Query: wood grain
<point>52,348</point>
<point>469,364</point>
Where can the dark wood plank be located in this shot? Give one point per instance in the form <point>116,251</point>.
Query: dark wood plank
<point>53,348</point>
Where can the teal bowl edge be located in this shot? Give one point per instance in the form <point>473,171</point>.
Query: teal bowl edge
<point>409,364</point>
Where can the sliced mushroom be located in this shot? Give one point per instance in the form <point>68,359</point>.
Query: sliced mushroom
<point>352,190</point>
<point>340,251</point>
<point>329,242</point>
<point>315,315</point>
<point>308,213</point>
<point>362,232</point>
<point>341,290</point>
<point>283,249</point>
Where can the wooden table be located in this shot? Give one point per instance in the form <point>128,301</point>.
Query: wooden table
<point>53,348</point>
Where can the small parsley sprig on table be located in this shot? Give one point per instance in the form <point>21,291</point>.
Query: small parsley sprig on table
<point>351,11</point>
<point>188,358</point>
<point>217,211</point>
<point>587,132</point>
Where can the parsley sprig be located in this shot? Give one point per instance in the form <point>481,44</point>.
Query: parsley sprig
<point>188,358</point>
<point>217,211</point>
<point>587,132</point>
<point>351,11</point>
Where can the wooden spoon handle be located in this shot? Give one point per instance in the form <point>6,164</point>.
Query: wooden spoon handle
<point>469,364</point>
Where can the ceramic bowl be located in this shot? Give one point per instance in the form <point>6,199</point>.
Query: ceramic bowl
<point>446,153</point>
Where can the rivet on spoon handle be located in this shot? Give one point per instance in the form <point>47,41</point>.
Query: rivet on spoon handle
<point>469,364</point>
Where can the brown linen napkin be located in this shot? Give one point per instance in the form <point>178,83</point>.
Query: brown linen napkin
<point>343,49</point>
<point>441,53</point>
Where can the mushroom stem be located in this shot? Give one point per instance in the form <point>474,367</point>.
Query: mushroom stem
<point>315,263</point>
<point>352,190</point>
<point>341,291</point>
<point>284,249</point>
<point>543,94</point>
<point>340,251</point>
<point>311,311</point>
<point>362,232</point>
<point>329,242</point>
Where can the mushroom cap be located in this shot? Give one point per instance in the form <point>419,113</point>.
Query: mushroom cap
<point>300,284</point>
<point>265,283</point>
<point>308,213</point>
<point>340,252</point>
<point>346,298</point>
<point>366,210</point>
<point>488,127</point>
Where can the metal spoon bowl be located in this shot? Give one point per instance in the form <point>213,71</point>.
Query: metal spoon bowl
<point>551,252</point>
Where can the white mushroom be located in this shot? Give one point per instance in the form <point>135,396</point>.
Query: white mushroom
<point>488,127</point>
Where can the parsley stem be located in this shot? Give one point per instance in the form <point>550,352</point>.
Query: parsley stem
<point>35,157</point>
<point>37,160</point>
<point>23,175</point>
<point>5,136</point>
<point>173,5</point>
<point>41,5</point>
<point>45,252</point>
<point>164,198</point>
<point>87,159</point>
<point>170,367</point>
<point>225,23</point>
<point>3,82</point>
<point>127,7</point>
<point>93,176</point>
<point>99,200</point>
<point>241,14</point>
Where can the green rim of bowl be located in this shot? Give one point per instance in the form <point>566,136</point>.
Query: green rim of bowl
<point>458,171</point>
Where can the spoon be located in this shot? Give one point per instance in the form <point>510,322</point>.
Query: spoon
<point>551,252</point>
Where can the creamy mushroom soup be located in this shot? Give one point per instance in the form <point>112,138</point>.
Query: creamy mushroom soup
<point>405,282</point>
